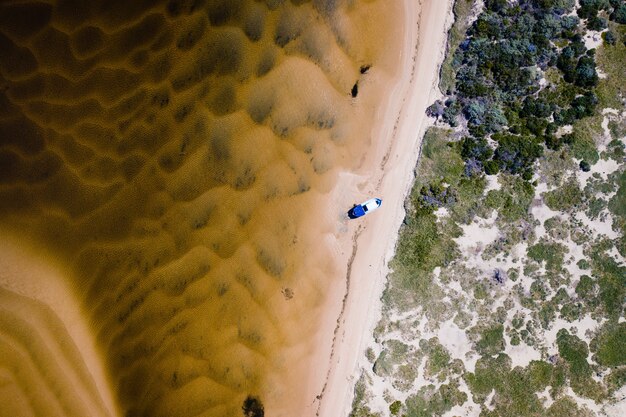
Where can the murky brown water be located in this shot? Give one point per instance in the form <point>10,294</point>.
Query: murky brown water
<point>175,157</point>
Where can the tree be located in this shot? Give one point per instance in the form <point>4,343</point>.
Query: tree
<point>491,167</point>
<point>585,73</point>
<point>516,153</point>
<point>475,148</point>
<point>496,5</point>
<point>609,38</point>
<point>596,23</point>
<point>584,105</point>
<point>619,14</point>
<point>584,166</point>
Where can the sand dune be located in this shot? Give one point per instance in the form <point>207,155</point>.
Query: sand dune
<point>175,159</point>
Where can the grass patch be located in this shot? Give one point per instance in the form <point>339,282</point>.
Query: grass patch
<point>514,388</point>
<point>611,280</point>
<point>438,357</point>
<point>610,59</point>
<point>461,10</point>
<point>359,403</point>
<point>566,406</point>
<point>612,345</point>
<point>440,161</point>
<point>584,134</point>
<point>617,206</point>
<point>512,200</point>
<point>575,351</point>
<point>565,198</point>
<point>421,248</point>
<point>424,242</point>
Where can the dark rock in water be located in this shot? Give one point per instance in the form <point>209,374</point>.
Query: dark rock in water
<point>499,275</point>
<point>355,89</point>
<point>252,407</point>
<point>365,68</point>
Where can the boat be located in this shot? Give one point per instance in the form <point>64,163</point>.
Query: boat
<point>362,209</point>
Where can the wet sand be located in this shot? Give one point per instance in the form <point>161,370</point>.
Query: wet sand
<point>165,177</point>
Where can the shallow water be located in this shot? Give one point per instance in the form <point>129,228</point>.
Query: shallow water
<point>175,157</point>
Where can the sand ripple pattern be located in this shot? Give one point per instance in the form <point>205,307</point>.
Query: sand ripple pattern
<point>171,154</point>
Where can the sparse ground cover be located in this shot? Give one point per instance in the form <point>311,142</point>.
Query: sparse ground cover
<point>508,288</point>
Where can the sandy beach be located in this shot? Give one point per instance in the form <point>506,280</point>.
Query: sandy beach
<point>387,173</point>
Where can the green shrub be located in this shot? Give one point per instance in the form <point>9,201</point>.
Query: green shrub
<point>395,407</point>
<point>612,345</point>
<point>551,253</point>
<point>565,197</point>
<point>575,352</point>
<point>584,166</point>
<point>609,38</point>
<point>491,340</point>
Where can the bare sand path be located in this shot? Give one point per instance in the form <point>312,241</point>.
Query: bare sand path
<point>388,173</point>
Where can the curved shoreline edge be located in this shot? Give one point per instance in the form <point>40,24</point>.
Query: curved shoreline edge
<point>400,124</point>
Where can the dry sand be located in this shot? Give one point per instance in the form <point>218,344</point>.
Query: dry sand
<point>388,173</point>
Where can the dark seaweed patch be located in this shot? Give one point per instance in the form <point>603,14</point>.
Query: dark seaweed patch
<point>253,407</point>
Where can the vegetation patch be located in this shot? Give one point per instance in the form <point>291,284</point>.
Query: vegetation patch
<point>512,201</point>
<point>429,401</point>
<point>550,253</point>
<point>567,197</point>
<point>610,345</point>
<point>525,110</point>
<point>491,340</point>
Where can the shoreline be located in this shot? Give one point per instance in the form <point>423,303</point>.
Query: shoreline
<point>403,121</point>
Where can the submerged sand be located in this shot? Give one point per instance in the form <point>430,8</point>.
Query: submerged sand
<point>165,174</point>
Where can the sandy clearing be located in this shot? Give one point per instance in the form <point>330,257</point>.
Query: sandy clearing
<point>454,339</point>
<point>478,234</point>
